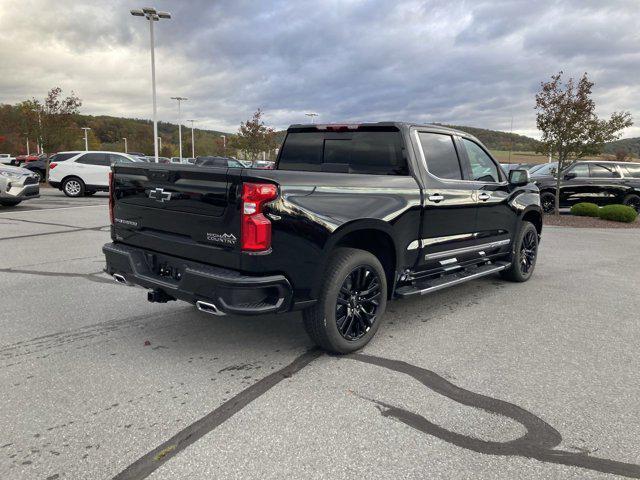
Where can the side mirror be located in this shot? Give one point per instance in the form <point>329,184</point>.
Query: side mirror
<point>570,175</point>
<point>519,177</point>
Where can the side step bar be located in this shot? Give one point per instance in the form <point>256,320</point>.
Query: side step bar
<point>449,280</point>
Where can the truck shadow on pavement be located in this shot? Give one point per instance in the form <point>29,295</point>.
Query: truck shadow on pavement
<point>538,443</point>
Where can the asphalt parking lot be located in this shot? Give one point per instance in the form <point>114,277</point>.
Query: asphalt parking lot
<point>485,380</point>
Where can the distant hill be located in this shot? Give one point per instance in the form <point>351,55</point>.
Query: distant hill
<point>497,140</point>
<point>629,145</point>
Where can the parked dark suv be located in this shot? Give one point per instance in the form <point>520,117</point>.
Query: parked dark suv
<point>598,182</point>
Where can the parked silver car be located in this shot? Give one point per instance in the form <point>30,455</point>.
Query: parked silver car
<point>17,184</point>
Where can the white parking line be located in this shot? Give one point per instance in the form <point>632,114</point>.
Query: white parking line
<point>17,212</point>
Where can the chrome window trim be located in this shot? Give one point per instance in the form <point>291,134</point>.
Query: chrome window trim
<point>447,180</point>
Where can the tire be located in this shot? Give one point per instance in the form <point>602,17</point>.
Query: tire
<point>38,174</point>
<point>73,187</point>
<point>548,202</point>
<point>632,201</point>
<point>9,203</point>
<point>322,321</point>
<point>523,255</point>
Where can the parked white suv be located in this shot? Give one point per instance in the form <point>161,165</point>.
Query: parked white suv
<point>86,173</point>
<point>7,159</point>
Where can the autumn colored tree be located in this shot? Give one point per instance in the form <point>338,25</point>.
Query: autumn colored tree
<point>254,137</point>
<point>570,127</point>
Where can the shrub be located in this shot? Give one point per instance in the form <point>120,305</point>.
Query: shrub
<point>618,213</point>
<point>585,209</point>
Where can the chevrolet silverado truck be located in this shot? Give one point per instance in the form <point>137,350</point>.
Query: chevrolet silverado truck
<point>351,217</point>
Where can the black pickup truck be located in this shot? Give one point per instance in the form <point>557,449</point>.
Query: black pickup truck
<point>351,217</point>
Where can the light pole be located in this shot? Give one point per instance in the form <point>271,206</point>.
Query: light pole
<point>193,141</point>
<point>125,145</point>
<point>312,115</point>
<point>86,139</point>
<point>152,15</point>
<point>39,140</point>
<point>179,99</point>
<point>27,135</point>
<point>159,146</point>
<point>224,144</point>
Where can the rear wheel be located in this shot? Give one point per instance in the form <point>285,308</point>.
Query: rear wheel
<point>38,175</point>
<point>73,187</point>
<point>548,202</point>
<point>632,201</point>
<point>351,304</point>
<point>524,254</point>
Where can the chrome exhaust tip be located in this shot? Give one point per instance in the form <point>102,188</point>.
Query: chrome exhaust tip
<point>120,279</point>
<point>209,308</point>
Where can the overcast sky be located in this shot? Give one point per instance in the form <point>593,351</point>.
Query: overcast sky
<point>474,63</point>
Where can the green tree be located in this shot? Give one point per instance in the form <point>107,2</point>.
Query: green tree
<point>570,127</point>
<point>253,137</point>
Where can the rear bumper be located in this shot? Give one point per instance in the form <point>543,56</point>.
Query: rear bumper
<point>54,184</point>
<point>215,290</point>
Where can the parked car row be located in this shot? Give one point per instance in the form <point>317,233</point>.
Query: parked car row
<point>599,182</point>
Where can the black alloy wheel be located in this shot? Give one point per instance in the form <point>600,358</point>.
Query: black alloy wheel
<point>357,303</point>
<point>548,202</point>
<point>528,251</point>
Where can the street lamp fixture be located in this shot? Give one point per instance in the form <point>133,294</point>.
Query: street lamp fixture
<point>152,15</point>
<point>312,115</point>
<point>179,99</point>
<point>86,138</point>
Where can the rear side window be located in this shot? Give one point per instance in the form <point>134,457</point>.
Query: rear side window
<point>630,170</point>
<point>603,171</point>
<point>94,159</point>
<point>61,157</point>
<point>440,155</point>
<point>376,152</point>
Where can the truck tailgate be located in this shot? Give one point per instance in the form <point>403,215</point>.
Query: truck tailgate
<point>181,210</point>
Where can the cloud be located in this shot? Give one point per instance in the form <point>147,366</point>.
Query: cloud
<point>473,63</point>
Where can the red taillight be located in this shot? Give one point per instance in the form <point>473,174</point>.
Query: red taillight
<point>52,165</point>
<point>256,228</point>
<point>111,197</point>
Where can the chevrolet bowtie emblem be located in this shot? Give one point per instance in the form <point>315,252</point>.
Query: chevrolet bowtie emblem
<point>159,195</point>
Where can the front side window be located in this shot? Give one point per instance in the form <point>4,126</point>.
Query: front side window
<point>440,155</point>
<point>114,158</point>
<point>483,169</point>
<point>603,171</point>
<point>580,170</point>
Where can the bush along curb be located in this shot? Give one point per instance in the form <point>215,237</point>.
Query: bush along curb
<point>585,209</point>
<point>617,213</point>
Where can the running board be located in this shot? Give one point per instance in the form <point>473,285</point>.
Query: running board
<point>451,279</point>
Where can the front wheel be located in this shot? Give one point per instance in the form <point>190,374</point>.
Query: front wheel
<point>524,254</point>
<point>632,201</point>
<point>351,304</point>
<point>548,202</point>
<point>73,187</point>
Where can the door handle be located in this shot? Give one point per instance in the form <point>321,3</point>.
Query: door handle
<point>484,196</point>
<point>436,198</point>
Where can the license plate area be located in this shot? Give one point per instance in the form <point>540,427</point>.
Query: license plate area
<point>164,268</point>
